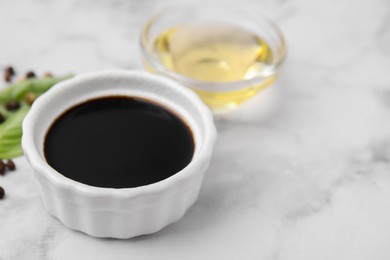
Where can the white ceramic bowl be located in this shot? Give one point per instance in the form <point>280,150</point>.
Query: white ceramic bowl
<point>127,212</point>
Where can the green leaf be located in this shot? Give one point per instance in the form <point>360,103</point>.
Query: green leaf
<point>12,153</point>
<point>39,86</point>
<point>11,133</point>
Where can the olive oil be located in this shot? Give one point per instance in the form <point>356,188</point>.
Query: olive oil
<point>216,53</point>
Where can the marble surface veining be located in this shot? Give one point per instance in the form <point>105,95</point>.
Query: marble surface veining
<point>301,172</point>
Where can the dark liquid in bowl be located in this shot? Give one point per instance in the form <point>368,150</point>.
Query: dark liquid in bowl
<point>118,142</point>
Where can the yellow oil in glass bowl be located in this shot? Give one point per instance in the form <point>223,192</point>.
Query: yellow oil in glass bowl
<point>225,63</point>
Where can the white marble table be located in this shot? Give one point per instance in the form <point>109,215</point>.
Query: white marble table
<point>302,172</point>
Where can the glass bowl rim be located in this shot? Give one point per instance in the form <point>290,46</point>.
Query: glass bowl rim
<point>161,69</point>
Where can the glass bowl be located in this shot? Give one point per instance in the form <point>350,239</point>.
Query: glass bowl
<point>217,95</point>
